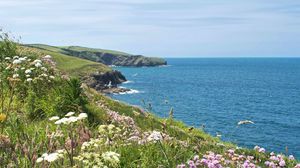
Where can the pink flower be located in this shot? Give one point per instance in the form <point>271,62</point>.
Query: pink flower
<point>261,150</point>
<point>282,163</point>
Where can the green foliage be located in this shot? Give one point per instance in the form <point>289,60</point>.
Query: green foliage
<point>69,96</point>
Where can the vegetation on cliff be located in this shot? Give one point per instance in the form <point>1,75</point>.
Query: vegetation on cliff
<point>48,118</point>
<point>107,57</point>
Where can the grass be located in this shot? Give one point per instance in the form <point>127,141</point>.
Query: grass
<point>72,65</point>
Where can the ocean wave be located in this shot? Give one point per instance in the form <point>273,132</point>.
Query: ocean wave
<point>131,91</point>
<point>164,66</point>
<point>126,82</point>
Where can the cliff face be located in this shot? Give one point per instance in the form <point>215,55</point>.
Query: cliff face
<point>107,57</point>
<point>117,59</point>
<point>104,81</point>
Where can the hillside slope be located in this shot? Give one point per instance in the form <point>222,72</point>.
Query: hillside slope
<point>107,57</point>
<point>94,74</point>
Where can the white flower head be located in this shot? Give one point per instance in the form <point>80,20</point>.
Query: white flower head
<point>44,69</point>
<point>48,57</point>
<point>82,116</point>
<point>39,160</point>
<point>17,61</point>
<point>28,71</point>
<point>15,75</point>
<point>69,114</point>
<point>155,136</point>
<point>54,118</point>
<point>16,57</point>
<point>38,64</point>
<point>29,79</point>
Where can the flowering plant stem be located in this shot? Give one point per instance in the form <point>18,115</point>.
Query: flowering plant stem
<point>164,152</point>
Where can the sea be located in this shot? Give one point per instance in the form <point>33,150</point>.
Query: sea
<point>214,94</point>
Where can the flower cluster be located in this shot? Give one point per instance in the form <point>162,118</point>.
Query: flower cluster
<point>155,136</point>
<point>51,157</point>
<point>68,119</point>
<point>28,70</point>
<point>259,149</point>
<point>95,159</point>
<point>277,160</point>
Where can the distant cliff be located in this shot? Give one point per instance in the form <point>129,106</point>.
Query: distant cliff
<point>107,57</point>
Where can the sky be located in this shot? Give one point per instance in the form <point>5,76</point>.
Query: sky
<point>163,28</point>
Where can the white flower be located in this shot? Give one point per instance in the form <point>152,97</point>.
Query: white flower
<point>54,118</point>
<point>17,61</point>
<point>61,121</point>
<point>15,75</point>
<point>37,61</point>
<point>69,114</point>
<point>22,59</point>
<point>28,71</point>
<point>82,116</point>
<point>72,119</point>
<point>48,57</point>
<point>51,77</point>
<point>111,157</point>
<point>52,157</point>
<point>38,64</point>
<point>29,79</point>
<point>155,136</point>
<point>16,57</point>
<point>39,160</point>
<point>7,58</point>
<point>43,68</point>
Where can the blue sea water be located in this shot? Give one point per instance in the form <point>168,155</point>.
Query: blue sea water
<point>220,92</point>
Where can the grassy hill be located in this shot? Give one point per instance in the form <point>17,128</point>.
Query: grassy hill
<point>71,65</point>
<point>107,57</point>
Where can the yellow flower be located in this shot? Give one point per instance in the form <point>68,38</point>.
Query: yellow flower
<point>2,117</point>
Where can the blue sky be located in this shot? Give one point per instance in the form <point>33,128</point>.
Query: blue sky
<point>169,28</point>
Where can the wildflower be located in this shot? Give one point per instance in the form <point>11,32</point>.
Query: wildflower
<point>82,116</point>
<point>111,157</point>
<point>155,136</point>
<point>28,71</point>
<point>69,114</point>
<point>291,157</point>
<point>39,160</point>
<point>15,75</point>
<point>48,57</point>
<point>44,69</point>
<point>2,117</point>
<point>38,64</point>
<point>54,118</point>
<point>17,61</point>
<point>50,157</point>
<point>29,79</point>
<point>23,59</point>
<point>282,163</point>
<point>51,77</point>
<point>61,121</point>
<point>262,150</point>
<point>16,57</point>
<point>7,58</point>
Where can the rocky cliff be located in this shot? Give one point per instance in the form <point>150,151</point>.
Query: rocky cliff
<point>107,57</point>
<point>106,81</point>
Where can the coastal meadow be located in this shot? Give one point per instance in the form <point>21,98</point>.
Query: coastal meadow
<point>51,119</point>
